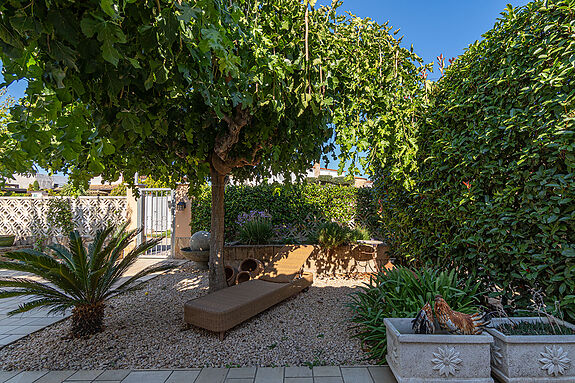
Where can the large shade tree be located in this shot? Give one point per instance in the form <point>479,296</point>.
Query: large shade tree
<point>189,91</point>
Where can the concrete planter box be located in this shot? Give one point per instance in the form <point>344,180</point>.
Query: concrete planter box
<point>436,358</point>
<point>532,358</point>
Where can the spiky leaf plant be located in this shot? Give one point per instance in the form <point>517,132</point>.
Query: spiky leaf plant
<point>401,293</point>
<point>77,277</point>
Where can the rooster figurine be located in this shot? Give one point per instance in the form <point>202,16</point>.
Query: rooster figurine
<point>452,321</point>
<point>423,322</point>
<point>456,322</point>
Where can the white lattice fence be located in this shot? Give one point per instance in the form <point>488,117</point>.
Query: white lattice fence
<point>26,217</point>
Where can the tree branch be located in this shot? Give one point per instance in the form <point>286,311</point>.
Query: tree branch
<point>225,142</point>
<point>219,165</point>
<point>240,162</point>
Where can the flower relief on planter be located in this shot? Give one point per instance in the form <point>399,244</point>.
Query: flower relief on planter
<point>446,361</point>
<point>555,360</point>
<point>496,355</point>
<point>393,354</point>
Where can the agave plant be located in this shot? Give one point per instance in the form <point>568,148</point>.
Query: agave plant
<point>77,277</point>
<point>401,293</point>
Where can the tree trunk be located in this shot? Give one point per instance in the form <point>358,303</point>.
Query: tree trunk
<point>216,263</point>
<point>87,319</point>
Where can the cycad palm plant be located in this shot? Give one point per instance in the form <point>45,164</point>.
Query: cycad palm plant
<point>77,277</point>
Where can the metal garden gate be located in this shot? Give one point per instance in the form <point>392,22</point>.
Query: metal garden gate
<point>156,218</point>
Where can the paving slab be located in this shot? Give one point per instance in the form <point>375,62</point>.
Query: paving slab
<point>7,339</point>
<point>24,330</point>
<point>45,321</point>
<point>242,373</point>
<point>86,374</point>
<point>212,375</point>
<point>298,380</point>
<point>270,375</point>
<point>328,379</point>
<point>55,376</point>
<point>241,380</point>
<point>381,374</point>
<point>326,371</point>
<point>356,375</point>
<point>5,375</point>
<point>147,376</point>
<point>298,372</point>
<point>11,321</point>
<point>27,377</point>
<point>183,376</point>
<point>112,375</point>
<point>7,329</point>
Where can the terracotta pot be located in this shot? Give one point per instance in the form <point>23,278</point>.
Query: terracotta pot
<point>243,276</point>
<point>252,266</point>
<point>231,274</point>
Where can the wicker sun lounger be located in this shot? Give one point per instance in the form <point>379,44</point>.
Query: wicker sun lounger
<point>226,308</point>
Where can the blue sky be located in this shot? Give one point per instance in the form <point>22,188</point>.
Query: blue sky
<point>433,27</point>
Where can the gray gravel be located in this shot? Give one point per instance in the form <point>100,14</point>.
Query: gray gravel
<point>145,329</point>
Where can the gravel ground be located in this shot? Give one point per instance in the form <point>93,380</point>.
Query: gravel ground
<point>145,329</point>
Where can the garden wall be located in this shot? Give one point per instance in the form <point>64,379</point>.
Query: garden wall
<point>28,218</point>
<point>341,260</point>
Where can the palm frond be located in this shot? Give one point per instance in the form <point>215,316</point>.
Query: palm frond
<point>79,255</point>
<point>58,275</point>
<point>114,274</point>
<point>29,256</point>
<point>22,286</point>
<point>64,254</point>
<point>95,254</point>
<point>55,307</point>
<point>148,270</point>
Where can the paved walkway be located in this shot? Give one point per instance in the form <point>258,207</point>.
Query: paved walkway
<point>20,325</point>
<point>209,375</point>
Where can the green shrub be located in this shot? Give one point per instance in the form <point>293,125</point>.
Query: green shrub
<point>492,189</point>
<point>291,205</point>
<point>72,190</point>
<point>331,235</point>
<point>359,233</point>
<point>59,216</point>
<point>256,232</point>
<point>119,190</point>
<point>401,293</point>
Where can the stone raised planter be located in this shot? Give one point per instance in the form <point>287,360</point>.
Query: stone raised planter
<point>436,358</point>
<point>532,358</point>
<point>341,260</point>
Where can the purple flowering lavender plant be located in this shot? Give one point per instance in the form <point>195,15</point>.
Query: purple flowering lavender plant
<point>252,215</point>
<point>255,227</point>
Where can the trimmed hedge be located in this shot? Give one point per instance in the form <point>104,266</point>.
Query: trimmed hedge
<point>493,187</point>
<point>290,205</point>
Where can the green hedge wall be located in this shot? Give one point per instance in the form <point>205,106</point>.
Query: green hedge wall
<point>494,187</point>
<point>291,205</point>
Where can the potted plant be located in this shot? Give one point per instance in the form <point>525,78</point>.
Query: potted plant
<point>7,240</point>
<point>533,349</point>
<point>438,357</point>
